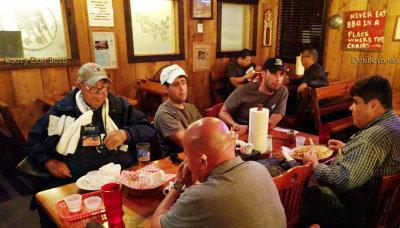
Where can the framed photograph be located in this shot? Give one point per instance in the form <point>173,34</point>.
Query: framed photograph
<point>155,30</point>
<point>104,48</point>
<point>202,9</point>
<point>201,57</point>
<point>396,33</point>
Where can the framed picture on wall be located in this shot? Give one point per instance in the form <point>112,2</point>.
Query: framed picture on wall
<point>202,9</point>
<point>396,33</point>
<point>104,48</point>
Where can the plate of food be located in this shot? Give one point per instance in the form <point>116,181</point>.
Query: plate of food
<point>147,180</point>
<point>321,151</point>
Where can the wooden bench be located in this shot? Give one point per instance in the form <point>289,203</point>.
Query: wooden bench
<point>332,99</point>
<point>292,121</point>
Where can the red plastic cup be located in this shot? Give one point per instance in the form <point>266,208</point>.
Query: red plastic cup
<point>112,197</point>
<point>324,134</point>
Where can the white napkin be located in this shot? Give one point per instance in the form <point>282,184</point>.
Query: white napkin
<point>285,152</point>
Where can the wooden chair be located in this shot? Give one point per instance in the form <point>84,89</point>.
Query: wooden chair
<point>217,87</point>
<point>387,207</point>
<point>292,122</point>
<point>291,186</point>
<point>214,110</point>
<point>332,99</point>
<point>12,141</point>
<point>150,95</point>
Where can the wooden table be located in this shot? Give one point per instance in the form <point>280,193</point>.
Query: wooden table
<point>139,210</point>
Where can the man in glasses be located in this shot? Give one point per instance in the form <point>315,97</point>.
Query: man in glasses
<point>88,128</point>
<point>314,75</point>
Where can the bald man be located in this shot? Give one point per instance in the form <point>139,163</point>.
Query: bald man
<point>232,193</point>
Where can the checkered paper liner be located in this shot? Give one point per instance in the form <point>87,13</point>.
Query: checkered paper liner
<point>134,179</point>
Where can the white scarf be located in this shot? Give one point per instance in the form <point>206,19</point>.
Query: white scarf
<point>70,138</point>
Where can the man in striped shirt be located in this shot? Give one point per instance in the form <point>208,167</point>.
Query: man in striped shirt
<point>353,179</point>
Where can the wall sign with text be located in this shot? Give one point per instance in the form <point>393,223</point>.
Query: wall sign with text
<point>364,30</point>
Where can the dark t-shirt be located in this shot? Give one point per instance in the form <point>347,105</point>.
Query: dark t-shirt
<point>233,69</point>
<point>169,120</point>
<point>247,96</point>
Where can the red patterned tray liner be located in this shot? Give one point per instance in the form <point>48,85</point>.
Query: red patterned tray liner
<point>132,179</point>
<point>83,213</point>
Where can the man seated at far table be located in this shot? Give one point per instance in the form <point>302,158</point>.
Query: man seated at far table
<point>238,71</point>
<point>269,92</point>
<point>174,115</point>
<point>352,180</point>
<point>232,193</point>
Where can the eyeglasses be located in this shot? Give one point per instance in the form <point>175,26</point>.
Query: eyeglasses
<point>305,56</point>
<point>95,90</point>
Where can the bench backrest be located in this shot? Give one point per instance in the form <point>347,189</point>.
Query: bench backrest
<point>337,98</point>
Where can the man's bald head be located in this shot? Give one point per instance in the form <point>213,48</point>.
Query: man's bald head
<point>209,136</point>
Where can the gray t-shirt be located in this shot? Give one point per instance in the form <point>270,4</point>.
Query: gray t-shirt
<point>168,120</point>
<point>247,96</point>
<point>236,194</point>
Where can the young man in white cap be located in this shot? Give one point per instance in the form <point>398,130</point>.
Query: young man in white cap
<point>269,92</point>
<point>174,115</point>
<point>87,129</point>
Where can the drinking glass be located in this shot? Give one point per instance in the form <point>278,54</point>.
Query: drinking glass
<point>324,134</point>
<point>112,197</point>
<point>300,140</point>
<point>143,153</point>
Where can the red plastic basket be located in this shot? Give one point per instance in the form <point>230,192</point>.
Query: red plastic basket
<point>83,213</point>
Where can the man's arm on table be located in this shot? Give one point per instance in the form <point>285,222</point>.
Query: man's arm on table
<point>237,81</point>
<point>225,116</point>
<point>274,119</point>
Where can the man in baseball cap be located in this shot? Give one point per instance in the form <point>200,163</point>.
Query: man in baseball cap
<point>174,115</point>
<point>269,92</point>
<point>92,73</point>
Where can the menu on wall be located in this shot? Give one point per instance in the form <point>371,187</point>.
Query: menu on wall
<point>364,30</point>
<point>100,13</point>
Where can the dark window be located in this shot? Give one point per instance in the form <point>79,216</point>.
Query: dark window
<point>301,25</point>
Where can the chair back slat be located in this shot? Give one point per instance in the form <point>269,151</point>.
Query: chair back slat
<point>387,207</point>
<point>291,187</point>
<point>214,110</point>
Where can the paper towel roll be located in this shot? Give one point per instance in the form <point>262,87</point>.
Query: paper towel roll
<point>299,66</point>
<point>258,129</point>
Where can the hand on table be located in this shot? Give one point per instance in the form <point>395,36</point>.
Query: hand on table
<point>184,174</point>
<point>57,168</point>
<point>310,156</point>
<point>301,87</point>
<point>115,139</point>
<point>240,129</point>
<point>335,144</point>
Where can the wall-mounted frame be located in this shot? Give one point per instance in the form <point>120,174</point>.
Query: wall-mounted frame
<point>396,32</point>
<point>154,30</point>
<point>104,48</point>
<point>267,32</point>
<point>38,34</point>
<point>239,32</point>
<point>201,56</point>
<point>202,9</point>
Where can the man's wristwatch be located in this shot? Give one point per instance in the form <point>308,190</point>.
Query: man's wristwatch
<point>179,185</point>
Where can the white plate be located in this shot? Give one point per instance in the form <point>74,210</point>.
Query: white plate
<point>326,151</point>
<point>84,183</point>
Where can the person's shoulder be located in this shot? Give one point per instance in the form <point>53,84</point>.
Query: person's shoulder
<point>282,91</point>
<point>190,106</point>
<point>249,86</point>
<point>67,102</point>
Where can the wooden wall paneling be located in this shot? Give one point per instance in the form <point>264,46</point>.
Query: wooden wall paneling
<point>366,69</point>
<point>28,85</point>
<point>263,53</point>
<point>390,48</point>
<point>112,75</point>
<point>55,81</point>
<point>82,31</point>
<point>349,69</point>
<point>72,76</point>
<point>333,42</point>
<point>6,88</point>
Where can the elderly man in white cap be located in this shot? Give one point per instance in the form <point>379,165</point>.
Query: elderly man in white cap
<point>88,128</point>
<point>174,115</point>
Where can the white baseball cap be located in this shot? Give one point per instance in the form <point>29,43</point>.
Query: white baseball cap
<point>170,73</point>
